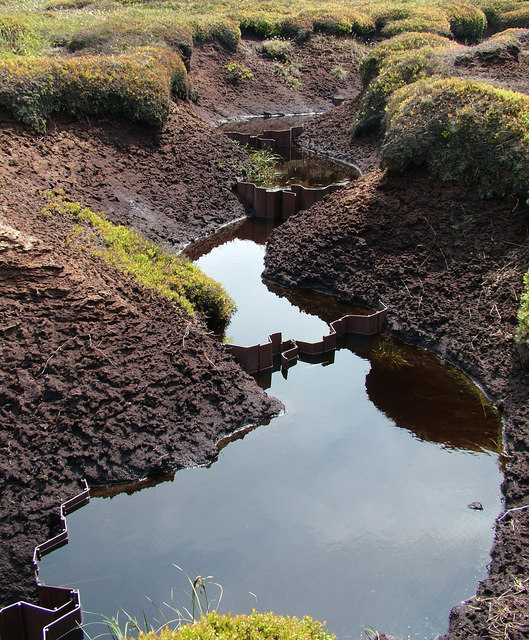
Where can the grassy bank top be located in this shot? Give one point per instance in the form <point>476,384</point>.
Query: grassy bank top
<point>131,57</point>
<point>38,26</point>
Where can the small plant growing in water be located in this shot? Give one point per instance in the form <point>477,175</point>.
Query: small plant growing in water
<point>261,169</point>
<point>390,353</point>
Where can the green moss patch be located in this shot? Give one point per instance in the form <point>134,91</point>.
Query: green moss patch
<point>256,626</point>
<point>172,277</point>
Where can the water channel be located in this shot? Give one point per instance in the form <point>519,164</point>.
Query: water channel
<point>352,507</point>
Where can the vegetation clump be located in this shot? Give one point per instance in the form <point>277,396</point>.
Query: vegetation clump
<point>173,278</point>
<point>372,64</point>
<point>118,34</point>
<point>226,32</point>
<point>517,18</point>
<point>17,37</point>
<point>461,130</point>
<point>399,70</point>
<point>277,49</point>
<point>501,46</point>
<point>344,22</point>
<point>417,17</point>
<point>392,64</point>
<point>467,21</point>
<point>256,626</point>
<point>139,86</point>
<point>236,72</point>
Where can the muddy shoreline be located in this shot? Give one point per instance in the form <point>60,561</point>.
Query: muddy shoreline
<point>100,378</point>
<point>391,238</point>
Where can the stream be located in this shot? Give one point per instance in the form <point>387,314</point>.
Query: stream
<point>351,507</point>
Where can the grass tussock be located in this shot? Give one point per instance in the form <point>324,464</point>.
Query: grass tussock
<point>400,18</point>
<point>257,626</point>
<point>343,21</point>
<point>410,57</point>
<point>172,277</point>
<point>394,63</point>
<point>372,64</point>
<point>499,48</point>
<point>461,130</point>
<point>115,33</point>
<point>517,18</point>
<point>277,49</point>
<point>467,21</point>
<point>17,37</point>
<point>397,71</point>
<point>139,86</point>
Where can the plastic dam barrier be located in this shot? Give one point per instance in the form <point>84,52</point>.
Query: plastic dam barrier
<point>58,615</point>
<point>281,202</point>
<point>260,357</point>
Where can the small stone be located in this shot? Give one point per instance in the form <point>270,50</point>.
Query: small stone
<point>477,506</point>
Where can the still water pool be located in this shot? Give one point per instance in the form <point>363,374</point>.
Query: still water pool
<point>351,507</point>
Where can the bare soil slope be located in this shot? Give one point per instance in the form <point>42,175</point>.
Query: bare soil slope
<point>101,379</point>
<point>315,72</point>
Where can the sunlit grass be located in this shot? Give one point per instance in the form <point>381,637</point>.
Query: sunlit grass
<point>172,277</point>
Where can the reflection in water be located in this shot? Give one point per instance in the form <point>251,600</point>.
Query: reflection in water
<point>327,308</point>
<point>414,388</point>
<point>432,400</point>
<point>297,166</point>
<point>248,229</point>
<point>329,510</point>
<point>129,488</point>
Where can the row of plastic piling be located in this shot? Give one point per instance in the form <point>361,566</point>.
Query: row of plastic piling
<point>267,139</point>
<point>58,615</point>
<point>260,357</point>
<point>281,202</point>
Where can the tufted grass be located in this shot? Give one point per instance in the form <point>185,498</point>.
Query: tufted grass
<point>461,130</point>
